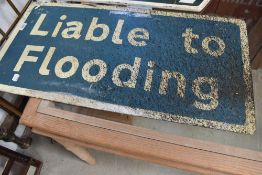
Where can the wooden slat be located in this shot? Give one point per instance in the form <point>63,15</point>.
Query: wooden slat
<point>105,149</point>
<point>145,149</point>
<point>255,38</point>
<point>132,145</point>
<point>14,7</point>
<point>255,44</point>
<point>77,149</point>
<point>8,167</point>
<point>121,118</point>
<point>147,133</point>
<point>248,10</point>
<point>257,62</point>
<point>10,29</point>
<point>211,7</point>
<point>9,107</point>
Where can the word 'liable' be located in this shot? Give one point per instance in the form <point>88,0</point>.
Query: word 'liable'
<point>136,36</point>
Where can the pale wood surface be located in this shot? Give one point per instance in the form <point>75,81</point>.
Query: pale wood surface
<point>143,144</point>
<point>78,150</point>
<point>88,145</point>
<point>146,133</point>
<point>121,118</point>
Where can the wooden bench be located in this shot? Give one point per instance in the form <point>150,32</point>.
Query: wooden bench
<point>80,128</point>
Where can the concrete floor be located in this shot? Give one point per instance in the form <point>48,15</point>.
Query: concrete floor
<point>59,161</point>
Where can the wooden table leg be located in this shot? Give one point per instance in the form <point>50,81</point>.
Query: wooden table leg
<point>79,151</point>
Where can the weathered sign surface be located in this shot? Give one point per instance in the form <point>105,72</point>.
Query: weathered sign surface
<point>171,66</point>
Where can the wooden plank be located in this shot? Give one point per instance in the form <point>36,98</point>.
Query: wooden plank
<point>9,107</point>
<point>79,151</point>
<point>117,117</point>
<point>132,145</point>
<point>44,108</point>
<point>144,148</point>
<point>257,62</point>
<point>211,7</point>
<point>255,44</point>
<point>249,10</point>
<point>255,39</point>
<point>154,160</point>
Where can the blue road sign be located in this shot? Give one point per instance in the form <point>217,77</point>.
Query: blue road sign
<point>178,67</point>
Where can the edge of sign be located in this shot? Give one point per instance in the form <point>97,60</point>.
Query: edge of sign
<point>248,127</point>
<point>157,5</point>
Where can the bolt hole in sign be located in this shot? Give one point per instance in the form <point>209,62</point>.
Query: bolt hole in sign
<point>177,67</point>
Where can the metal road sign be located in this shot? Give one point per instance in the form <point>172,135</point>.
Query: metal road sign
<point>178,67</point>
